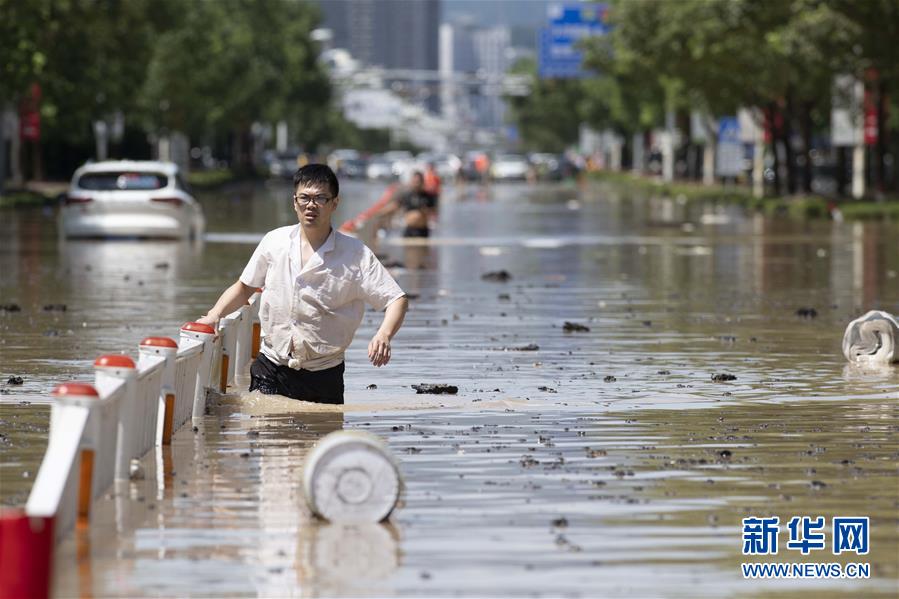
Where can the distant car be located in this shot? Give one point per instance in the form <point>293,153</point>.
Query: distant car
<point>379,168</point>
<point>130,199</point>
<point>446,165</point>
<point>336,158</point>
<point>509,167</point>
<point>282,164</point>
<point>547,167</point>
<point>352,168</point>
<point>401,162</point>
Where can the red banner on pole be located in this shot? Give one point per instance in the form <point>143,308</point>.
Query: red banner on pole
<point>30,115</point>
<point>872,126</point>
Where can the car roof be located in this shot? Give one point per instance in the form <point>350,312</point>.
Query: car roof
<point>166,168</point>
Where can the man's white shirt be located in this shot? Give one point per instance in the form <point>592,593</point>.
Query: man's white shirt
<point>310,312</point>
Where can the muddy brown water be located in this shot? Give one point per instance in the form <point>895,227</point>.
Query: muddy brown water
<point>596,464</point>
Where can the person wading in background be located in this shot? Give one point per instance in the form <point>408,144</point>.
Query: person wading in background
<point>417,204</point>
<point>316,282</point>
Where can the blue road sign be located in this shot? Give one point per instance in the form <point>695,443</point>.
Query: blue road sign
<point>568,23</point>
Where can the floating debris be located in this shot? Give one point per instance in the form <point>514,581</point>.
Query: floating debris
<point>723,377</point>
<point>609,379</point>
<point>528,347</point>
<point>725,454</point>
<point>15,380</point>
<point>436,389</point>
<point>498,276</point>
<point>10,308</point>
<point>574,327</point>
<point>372,386</point>
<point>546,389</point>
<point>806,313</point>
<point>55,308</point>
<point>504,297</point>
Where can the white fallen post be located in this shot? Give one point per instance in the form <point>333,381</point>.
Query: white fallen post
<point>351,477</point>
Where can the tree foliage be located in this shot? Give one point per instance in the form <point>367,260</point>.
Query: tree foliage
<point>716,56</point>
<point>206,68</point>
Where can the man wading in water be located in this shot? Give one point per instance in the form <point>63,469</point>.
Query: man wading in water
<point>418,205</point>
<point>316,282</point>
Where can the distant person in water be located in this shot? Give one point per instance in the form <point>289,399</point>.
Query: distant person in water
<point>418,206</point>
<point>432,182</point>
<point>316,283</point>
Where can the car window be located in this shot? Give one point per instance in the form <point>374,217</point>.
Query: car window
<point>122,181</point>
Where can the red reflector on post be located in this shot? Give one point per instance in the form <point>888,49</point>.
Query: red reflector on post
<point>114,361</point>
<point>198,327</point>
<point>159,342</point>
<point>75,390</point>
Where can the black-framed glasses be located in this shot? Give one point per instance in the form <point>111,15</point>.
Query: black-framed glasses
<point>305,200</point>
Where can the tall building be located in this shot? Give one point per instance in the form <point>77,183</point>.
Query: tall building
<point>393,34</point>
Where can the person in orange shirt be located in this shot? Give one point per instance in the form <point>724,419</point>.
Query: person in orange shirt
<point>482,166</point>
<point>432,181</point>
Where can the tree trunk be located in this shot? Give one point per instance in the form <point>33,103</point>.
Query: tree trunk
<point>775,140</point>
<point>788,146</point>
<point>3,159</point>
<point>37,162</point>
<point>841,171</point>
<point>806,126</point>
<point>709,150</point>
<point>879,162</point>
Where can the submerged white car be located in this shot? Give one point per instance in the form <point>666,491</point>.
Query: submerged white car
<point>509,166</point>
<point>130,199</point>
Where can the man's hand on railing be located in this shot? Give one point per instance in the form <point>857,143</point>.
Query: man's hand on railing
<point>212,321</point>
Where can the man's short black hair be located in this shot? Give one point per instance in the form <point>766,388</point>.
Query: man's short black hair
<point>317,174</point>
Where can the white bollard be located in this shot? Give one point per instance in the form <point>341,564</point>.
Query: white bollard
<point>205,334</point>
<point>167,349</point>
<point>351,477</point>
<point>64,483</point>
<point>110,372</point>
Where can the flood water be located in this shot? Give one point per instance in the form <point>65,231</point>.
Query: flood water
<point>600,462</point>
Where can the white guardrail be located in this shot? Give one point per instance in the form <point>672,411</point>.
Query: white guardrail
<point>96,430</point>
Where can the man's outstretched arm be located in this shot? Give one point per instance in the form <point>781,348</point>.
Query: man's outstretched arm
<point>233,298</point>
<point>379,347</point>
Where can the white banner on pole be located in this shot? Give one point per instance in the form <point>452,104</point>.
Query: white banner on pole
<point>846,115</point>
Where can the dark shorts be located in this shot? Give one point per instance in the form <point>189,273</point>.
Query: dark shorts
<point>416,232</point>
<point>321,386</point>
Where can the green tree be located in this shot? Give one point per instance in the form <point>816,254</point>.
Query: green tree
<point>548,117</point>
<point>232,62</point>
